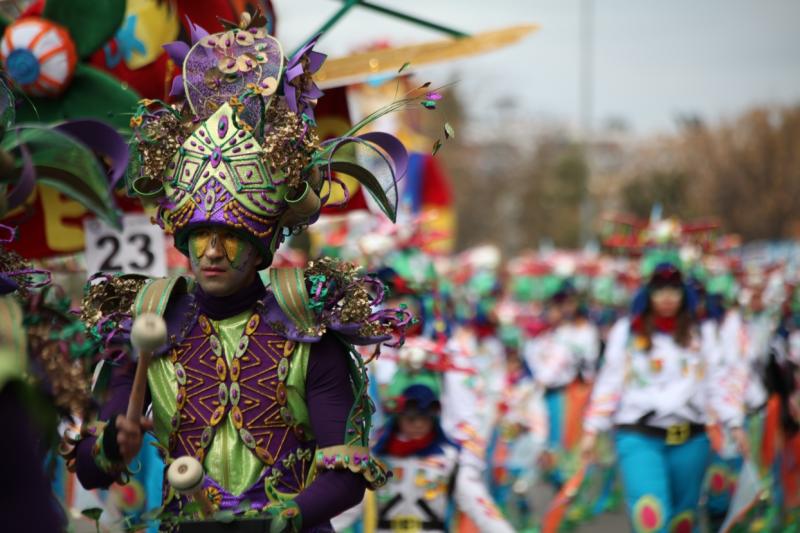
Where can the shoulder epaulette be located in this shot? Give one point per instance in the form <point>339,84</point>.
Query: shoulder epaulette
<point>155,294</point>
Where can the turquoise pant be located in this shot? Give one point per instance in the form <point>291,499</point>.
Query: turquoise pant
<point>554,402</point>
<point>662,482</point>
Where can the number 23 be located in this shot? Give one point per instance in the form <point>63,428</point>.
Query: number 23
<point>110,262</point>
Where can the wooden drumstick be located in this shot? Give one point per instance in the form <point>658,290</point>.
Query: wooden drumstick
<point>148,333</point>
<point>186,476</point>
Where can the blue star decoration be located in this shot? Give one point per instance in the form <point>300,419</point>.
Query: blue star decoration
<point>127,43</point>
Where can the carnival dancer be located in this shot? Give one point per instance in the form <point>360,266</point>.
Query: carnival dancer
<point>716,292</point>
<point>414,283</point>
<point>519,436</point>
<point>432,477</point>
<point>563,361</point>
<point>751,327</point>
<point>475,289</point>
<point>259,385</point>
<point>766,377</point>
<point>49,56</point>
<point>786,384</point>
<point>660,383</point>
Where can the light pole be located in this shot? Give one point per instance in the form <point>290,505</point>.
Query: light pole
<point>586,104</point>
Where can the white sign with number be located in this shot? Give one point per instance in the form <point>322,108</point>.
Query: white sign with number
<point>138,249</point>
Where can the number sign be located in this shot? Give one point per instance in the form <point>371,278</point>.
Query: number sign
<point>138,249</point>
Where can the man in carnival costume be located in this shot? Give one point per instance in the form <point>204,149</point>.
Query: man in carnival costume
<point>786,381</point>
<point>258,384</point>
<point>519,434</point>
<point>432,477</point>
<point>563,359</point>
<point>415,284</point>
<point>756,341</point>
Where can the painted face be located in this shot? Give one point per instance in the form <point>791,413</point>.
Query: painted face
<point>221,261</point>
<point>667,300</point>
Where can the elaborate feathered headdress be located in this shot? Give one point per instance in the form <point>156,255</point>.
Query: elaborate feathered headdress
<point>242,150</point>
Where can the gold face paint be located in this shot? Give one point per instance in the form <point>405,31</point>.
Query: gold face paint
<point>198,242</point>
<point>234,247</point>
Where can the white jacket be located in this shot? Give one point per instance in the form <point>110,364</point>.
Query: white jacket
<point>670,383</point>
<point>422,488</point>
<point>557,357</point>
<point>746,345</point>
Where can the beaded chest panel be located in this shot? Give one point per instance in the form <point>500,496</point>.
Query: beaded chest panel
<point>251,389</point>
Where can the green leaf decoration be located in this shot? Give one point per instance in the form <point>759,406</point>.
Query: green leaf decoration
<point>90,23</point>
<point>371,183</point>
<point>436,147</point>
<point>92,513</point>
<point>89,87</point>
<point>405,66</point>
<point>449,132</point>
<point>68,166</point>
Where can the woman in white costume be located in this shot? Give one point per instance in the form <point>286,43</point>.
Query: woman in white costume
<point>661,384</point>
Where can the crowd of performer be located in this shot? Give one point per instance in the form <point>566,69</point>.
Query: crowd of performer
<point>569,384</point>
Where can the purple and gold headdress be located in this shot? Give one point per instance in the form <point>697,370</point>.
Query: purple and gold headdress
<point>242,150</point>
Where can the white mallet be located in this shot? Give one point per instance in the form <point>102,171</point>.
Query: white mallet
<point>148,333</point>
<point>186,476</point>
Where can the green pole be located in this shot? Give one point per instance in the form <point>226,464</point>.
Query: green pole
<point>412,19</point>
<point>348,5</point>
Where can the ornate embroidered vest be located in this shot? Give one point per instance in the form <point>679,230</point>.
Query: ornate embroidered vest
<point>255,389</point>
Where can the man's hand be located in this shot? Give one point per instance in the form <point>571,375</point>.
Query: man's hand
<point>129,436</point>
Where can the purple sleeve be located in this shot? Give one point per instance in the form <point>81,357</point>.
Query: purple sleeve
<point>329,395</point>
<point>89,474</point>
<point>28,503</point>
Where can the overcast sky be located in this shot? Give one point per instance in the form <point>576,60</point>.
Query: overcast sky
<point>652,60</point>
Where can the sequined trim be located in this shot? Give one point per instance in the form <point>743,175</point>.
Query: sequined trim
<point>357,459</point>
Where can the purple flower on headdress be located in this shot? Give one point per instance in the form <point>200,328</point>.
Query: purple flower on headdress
<point>298,84</point>
<point>177,51</point>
